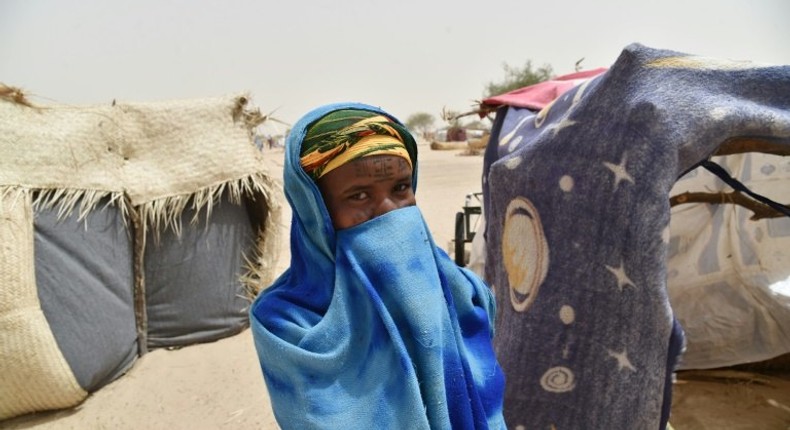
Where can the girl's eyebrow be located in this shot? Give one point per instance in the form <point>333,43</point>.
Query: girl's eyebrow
<point>395,178</point>
<point>355,188</point>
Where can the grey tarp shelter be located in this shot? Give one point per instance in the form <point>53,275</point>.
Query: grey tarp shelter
<point>124,227</point>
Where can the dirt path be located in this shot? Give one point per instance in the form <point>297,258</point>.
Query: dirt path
<point>730,399</point>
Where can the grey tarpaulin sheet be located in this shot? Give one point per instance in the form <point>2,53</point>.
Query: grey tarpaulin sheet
<point>193,287</point>
<point>84,280</point>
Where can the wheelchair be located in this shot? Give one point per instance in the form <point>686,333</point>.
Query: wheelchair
<point>466,222</point>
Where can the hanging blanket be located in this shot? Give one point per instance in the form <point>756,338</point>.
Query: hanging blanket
<point>577,207</point>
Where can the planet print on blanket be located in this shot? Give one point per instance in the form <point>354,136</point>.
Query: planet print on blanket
<point>525,252</point>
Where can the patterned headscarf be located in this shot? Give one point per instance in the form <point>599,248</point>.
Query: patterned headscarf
<point>346,135</point>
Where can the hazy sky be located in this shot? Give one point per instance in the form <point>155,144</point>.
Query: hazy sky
<point>406,56</point>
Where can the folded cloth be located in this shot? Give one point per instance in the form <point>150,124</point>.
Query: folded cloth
<point>373,326</point>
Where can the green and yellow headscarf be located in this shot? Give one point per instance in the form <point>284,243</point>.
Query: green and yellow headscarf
<point>346,135</point>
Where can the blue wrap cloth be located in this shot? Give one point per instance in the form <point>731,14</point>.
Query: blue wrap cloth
<point>373,326</point>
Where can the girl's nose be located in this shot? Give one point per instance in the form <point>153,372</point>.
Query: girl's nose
<point>384,206</point>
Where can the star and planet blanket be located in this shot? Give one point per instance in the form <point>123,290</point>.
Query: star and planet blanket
<point>577,210</point>
<point>373,326</point>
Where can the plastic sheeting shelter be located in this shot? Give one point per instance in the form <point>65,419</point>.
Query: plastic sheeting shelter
<point>729,274</point>
<point>124,228</point>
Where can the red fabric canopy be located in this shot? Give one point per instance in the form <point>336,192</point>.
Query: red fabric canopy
<point>537,96</point>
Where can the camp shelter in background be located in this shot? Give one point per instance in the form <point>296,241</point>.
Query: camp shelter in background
<point>271,133</point>
<point>124,227</point>
<point>590,264</point>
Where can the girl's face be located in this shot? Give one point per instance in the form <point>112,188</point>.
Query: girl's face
<point>365,188</point>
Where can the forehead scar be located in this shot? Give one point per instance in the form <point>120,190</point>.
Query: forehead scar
<point>380,168</point>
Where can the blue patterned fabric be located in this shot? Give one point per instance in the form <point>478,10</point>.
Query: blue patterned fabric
<point>577,211</point>
<point>373,326</point>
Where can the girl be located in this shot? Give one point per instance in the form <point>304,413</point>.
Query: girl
<point>372,326</point>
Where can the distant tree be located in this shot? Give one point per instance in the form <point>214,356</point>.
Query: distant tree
<point>420,122</point>
<point>518,77</point>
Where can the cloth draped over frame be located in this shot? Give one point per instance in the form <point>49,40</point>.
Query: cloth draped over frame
<point>373,326</point>
<point>580,191</point>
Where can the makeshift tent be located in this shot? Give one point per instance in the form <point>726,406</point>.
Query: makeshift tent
<point>729,268</point>
<point>578,236</point>
<point>124,227</point>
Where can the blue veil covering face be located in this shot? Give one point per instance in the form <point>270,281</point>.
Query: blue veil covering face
<point>373,326</point>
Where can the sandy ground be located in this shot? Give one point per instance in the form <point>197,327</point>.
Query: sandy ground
<point>219,385</point>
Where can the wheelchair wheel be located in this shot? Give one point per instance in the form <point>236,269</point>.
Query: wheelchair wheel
<point>460,240</point>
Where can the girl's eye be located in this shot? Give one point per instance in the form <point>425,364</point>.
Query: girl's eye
<point>359,196</point>
<point>402,187</point>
